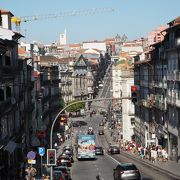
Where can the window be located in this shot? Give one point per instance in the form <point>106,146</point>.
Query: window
<point>7,61</point>
<point>1,95</point>
<point>8,91</point>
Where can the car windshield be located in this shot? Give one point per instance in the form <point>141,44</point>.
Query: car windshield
<point>114,147</point>
<point>63,170</point>
<point>128,167</point>
<point>98,147</point>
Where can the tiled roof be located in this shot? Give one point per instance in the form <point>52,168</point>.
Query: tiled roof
<point>3,11</point>
<point>74,45</point>
<point>54,59</point>
<point>141,62</point>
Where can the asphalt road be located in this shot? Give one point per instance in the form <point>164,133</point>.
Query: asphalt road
<point>104,165</point>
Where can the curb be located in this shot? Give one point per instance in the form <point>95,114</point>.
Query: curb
<point>168,173</point>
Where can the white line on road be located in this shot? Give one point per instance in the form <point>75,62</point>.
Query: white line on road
<point>113,159</point>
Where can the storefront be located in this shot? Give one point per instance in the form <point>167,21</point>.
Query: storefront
<point>173,147</point>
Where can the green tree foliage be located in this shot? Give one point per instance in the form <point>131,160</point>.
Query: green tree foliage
<point>61,103</point>
<point>75,107</point>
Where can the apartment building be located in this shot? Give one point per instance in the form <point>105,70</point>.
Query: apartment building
<point>155,36</point>
<point>157,78</point>
<point>122,80</point>
<point>16,102</point>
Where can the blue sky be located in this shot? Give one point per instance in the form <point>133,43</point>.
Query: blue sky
<point>135,18</point>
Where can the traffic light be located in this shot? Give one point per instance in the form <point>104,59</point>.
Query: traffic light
<point>134,94</point>
<point>63,119</point>
<point>51,157</point>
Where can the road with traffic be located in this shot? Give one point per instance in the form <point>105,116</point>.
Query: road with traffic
<point>104,164</point>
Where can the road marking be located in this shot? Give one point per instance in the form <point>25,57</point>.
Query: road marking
<point>113,159</point>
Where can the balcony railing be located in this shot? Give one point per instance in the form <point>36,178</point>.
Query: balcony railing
<point>127,74</point>
<point>160,105</point>
<point>173,76</point>
<point>174,100</point>
<point>8,70</point>
<point>172,44</point>
<point>6,106</point>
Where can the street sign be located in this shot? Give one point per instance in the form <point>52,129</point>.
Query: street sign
<point>41,151</point>
<point>31,161</point>
<point>151,140</point>
<point>31,155</point>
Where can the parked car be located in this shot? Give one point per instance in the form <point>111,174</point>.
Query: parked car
<point>126,171</point>
<point>64,160</point>
<point>114,150</point>
<point>69,154</point>
<point>65,170</point>
<point>101,132</point>
<point>99,150</point>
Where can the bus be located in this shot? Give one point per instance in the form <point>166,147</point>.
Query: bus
<point>85,146</point>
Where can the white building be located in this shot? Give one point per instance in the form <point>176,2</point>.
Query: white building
<point>95,45</point>
<point>122,80</point>
<point>63,38</point>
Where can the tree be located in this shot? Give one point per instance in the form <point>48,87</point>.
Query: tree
<point>75,107</point>
<point>61,103</point>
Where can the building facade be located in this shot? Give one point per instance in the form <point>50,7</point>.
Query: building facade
<point>157,78</point>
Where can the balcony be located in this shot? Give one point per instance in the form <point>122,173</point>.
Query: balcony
<point>91,84</point>
<point>55,97</point>
<point>8,71</point>
<point>45,114</point>
<point>126,74</point>
<point>174,43</point>
<point>56,81</point>
<point>160,105</point>
<point>174,99</point>
<point>144,83</point>
<point>171,99</point>
<point>45,99</point>
<point>173,76</point>
<point>30,85</point>
<point>6,106</point>
<point>29,108</point>
<point>151,85</point>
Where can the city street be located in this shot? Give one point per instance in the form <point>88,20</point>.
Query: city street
<point>104,165</point>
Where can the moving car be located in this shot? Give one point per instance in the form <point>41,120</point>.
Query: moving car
<point>90,131</point>
<point>101,123</point>
<point>114,150</point>
<point>126,171</point>
<point>101,132</point>
<point>99,150</point>
<point>65,171</point>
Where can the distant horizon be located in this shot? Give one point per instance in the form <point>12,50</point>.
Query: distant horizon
<point>135,19</point>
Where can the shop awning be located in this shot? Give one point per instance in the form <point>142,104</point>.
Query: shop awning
<point>11,146</point>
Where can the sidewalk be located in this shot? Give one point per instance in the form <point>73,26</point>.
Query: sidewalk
<point>170,168</point>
